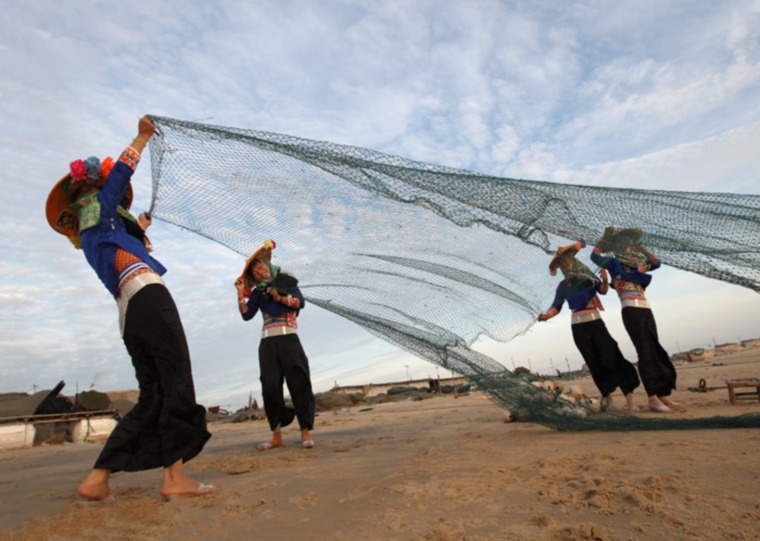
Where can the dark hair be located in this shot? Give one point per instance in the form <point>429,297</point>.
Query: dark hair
<point>285,283</point>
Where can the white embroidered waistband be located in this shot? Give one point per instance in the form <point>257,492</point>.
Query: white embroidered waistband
<point>635,303</point>
<point>128,290</point>
<point>584,318</point>
<point>278,331</point>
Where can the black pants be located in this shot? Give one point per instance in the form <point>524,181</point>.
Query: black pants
<point>282,359</point>
<point>166,424</point>
<point>609,369</point>
<point>657,372</point>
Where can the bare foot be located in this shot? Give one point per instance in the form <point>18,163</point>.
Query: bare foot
<point>668,402</point>
<point>276,441</point>
<point>95,486</point>
<point>187,488</point>
<point>306,441</point>
<point>629,404</point>
<point>177,484</point>
<point>608,404</point>
<point>657,406</point>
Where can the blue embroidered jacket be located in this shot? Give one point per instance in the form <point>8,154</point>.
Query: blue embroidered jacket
<point>622,272</point>
<point>100,242</point>
<point>577,297</point>
<point>258,301</point>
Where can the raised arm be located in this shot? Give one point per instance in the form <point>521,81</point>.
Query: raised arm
<point>653,261</point>
<point>145,129</point>
<point>556,307</point>
<point>605,285</point>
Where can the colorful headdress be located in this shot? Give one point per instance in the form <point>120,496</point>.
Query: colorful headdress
<point>563,252</point>
<point>84,176</point>
<point>577,272</point>
<point>624,243</point>
<point>264,255</point>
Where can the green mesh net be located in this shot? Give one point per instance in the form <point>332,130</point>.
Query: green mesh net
<point>430,258</point>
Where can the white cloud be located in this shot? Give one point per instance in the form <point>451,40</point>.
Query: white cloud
<point>722,163</point>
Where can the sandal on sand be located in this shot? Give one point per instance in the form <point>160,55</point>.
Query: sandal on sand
<point>200,490</point>
<point>307,444</point>
<point>105,501</point>
<point>660,409</point>
<point>266,446</point>
<point>632,408</point>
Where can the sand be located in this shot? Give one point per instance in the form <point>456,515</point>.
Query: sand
<point>444,468</point>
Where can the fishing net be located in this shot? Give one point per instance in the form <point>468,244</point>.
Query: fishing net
<point>430,258</point>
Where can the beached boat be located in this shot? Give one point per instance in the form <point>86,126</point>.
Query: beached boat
<point>93,429</point>
<point>16,436</point>
<point>696,354</point>
<point>47,417</point>
<point>31,430</point>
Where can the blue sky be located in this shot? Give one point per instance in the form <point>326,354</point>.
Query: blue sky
<point>627,94</point>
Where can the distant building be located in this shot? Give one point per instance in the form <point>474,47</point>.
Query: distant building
<point>374,389</point>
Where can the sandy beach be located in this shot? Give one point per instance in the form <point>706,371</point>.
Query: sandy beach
<point>443,468</point>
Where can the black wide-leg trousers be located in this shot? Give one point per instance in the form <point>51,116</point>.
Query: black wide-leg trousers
<point>166,424</point>
<point>282,360</point>
<point>609,368</point>
<point>655,368</point>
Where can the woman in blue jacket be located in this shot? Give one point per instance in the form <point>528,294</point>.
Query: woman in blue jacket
<point>262,287</point>
<point>166,428</point>
<point>609,369</point>
<point>620,252</point>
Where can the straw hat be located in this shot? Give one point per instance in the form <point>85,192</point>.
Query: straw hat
<point>578,274</point>
<point>263,253</point>
<point>568,251</point>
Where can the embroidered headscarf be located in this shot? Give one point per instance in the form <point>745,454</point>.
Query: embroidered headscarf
<point>624,243</point>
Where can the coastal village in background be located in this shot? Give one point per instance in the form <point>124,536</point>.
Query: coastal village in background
<point>50,417</point>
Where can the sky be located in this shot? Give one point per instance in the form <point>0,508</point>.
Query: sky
<point>639,94</point>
